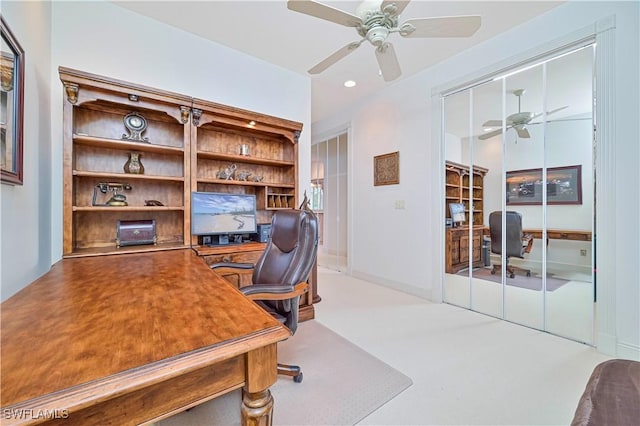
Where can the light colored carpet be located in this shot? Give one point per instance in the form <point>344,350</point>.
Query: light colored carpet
<point>342,385</point>
<point>520,280</point>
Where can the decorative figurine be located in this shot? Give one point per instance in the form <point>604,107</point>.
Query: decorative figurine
<point>152,203</point>
<point>257,178</point>
<point>226,173</point>
<point>243,175</point>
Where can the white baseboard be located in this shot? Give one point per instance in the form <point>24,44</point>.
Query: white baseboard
<point>405,288</point>
<point>628,351</point>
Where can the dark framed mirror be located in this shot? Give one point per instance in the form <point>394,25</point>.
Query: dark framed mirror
<point>11,106</point>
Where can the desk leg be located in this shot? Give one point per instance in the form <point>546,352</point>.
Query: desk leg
<point>257,408</point>
<point>261,372</point>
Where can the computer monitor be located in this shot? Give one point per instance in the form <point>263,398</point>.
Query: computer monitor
<point>457,213</point>
<point>222,215</point>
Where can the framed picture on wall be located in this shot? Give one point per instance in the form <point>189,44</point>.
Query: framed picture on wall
<point>564,186</point>
<point>11,105</point>
<point>386,169</point>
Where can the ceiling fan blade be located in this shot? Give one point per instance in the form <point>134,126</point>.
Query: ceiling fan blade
<point>492,123</point>
<point>523,132</point>
<point>335,57</point>
<point>489,135</point>
<point>322,11</point>
<point>444,26</point>
<point>400,5</point>
<point>388,62</point>
<point>553,111</point>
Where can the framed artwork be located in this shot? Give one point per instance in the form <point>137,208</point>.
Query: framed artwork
<point>564,186</point>
<point>11,105</point>
<point>386,169</point>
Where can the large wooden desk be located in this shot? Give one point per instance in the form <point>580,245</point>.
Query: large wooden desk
<point>560,234</point>
<point>127,339</point>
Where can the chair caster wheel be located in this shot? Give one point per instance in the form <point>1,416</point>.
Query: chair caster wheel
<point>512,276</point>
<point>298,377</point>
<point>528,274</point>
<point>493,272</point>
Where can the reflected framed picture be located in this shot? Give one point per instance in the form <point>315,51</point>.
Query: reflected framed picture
<point>11,105</point>
<point>564,186</point>
<point>386,169</point>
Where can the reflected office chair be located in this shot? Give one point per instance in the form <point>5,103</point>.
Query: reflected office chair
<point>517,243</point>
<point>280,275</point>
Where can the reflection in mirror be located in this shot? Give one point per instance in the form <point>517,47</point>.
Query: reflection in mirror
<point>456,289</point>
<point>524,151</point>
<point>532,134</point>
<point>486,287</point>
<point>569,139</point>
<point>11,106</point>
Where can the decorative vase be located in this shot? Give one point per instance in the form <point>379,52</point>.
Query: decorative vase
<point>134,165</point>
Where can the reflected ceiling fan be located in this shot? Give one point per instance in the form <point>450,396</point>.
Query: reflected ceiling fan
<point>518,121</point>
<point>375,20</point>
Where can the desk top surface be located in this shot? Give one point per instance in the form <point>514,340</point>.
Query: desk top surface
<point>122,316</point>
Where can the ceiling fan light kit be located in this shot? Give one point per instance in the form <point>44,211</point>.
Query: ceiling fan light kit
<point>374,21</point>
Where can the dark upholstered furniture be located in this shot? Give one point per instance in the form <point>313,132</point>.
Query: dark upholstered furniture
<point>612,395</point>
<point>280,275</point>
<point>517,244</point>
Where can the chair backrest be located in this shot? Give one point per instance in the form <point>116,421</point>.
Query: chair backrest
<point>289,257</point>
<point>513,235</point>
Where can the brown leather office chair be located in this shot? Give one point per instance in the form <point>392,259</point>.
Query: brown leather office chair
<point>517,243</point>
<point>280,275</point>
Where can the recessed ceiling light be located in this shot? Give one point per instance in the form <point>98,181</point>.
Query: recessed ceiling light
<point>349,83</point>
<point>252,123</point>
<point>487,129</point>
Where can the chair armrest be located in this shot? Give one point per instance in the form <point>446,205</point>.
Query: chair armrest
<point>232,265</point>
<point>274,291</point>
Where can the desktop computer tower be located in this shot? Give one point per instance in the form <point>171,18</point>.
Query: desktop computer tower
<point>264,233</point>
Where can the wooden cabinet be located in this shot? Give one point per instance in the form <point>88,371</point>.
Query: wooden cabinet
<point>97,145</point>
<point>261,151</point>
<point>458,248</point>
<point>185,145</point>
<point>461,187</point>
<point>182,144</point>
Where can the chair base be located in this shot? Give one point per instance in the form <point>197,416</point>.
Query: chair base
<point>511,270</point>
<point>290,370</point>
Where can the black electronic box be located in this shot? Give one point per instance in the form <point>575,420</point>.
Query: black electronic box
<point>264,232</point>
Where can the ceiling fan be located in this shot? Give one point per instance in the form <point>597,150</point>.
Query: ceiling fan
<point>518,121</point>
<point>375,20</point>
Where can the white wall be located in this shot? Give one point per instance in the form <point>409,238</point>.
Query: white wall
<point>404,248</point>
<point>25,233</point>
<point>102,38</point>
<point>105,39</point>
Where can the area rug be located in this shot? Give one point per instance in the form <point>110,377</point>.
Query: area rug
<point>534,282</point>
<point>342,385</point>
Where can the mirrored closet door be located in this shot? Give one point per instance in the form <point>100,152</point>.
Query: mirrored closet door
<point>329,177</point>
<point>519,199</point>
